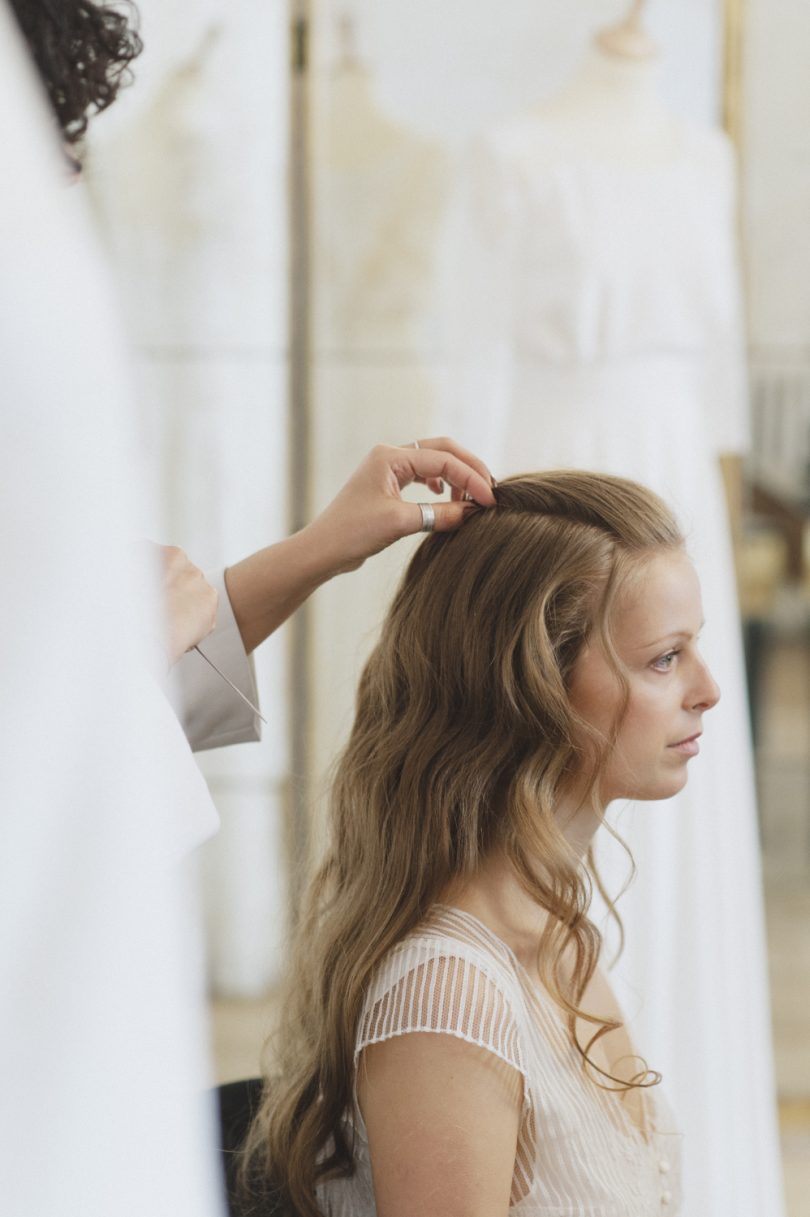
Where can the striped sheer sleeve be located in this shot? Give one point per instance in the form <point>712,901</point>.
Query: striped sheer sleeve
<point>444,988</point>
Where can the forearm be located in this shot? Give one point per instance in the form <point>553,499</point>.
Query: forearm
<point>267,587</point>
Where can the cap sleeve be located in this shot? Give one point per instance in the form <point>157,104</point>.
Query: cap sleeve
<point>447,989</point>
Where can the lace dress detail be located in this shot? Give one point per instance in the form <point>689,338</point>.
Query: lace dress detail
<point>579,1154</point>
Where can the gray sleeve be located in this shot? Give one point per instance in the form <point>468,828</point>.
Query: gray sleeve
<point>210,712</point>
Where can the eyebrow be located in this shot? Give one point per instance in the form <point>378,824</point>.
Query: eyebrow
<point>683,634</point>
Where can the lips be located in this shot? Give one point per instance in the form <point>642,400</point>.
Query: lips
<point>688,746</point>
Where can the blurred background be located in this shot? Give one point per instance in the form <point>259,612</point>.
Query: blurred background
<point>275,196</point>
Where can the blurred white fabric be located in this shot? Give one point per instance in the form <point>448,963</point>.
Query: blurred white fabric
<point>597,312</point>
<point>187,177</point>
<point>102,1036</point>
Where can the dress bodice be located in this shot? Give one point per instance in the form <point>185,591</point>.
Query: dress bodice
<point>601,258</point>
<point>578,1149</point>
<point>582,287</point>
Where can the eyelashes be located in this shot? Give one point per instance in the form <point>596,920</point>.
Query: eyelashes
<point>664,663</point>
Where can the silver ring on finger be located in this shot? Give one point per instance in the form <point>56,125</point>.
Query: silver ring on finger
<point>416,443</point>
<point>428,517</point>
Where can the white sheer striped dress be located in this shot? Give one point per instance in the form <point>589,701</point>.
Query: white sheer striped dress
<point>579,1153</point>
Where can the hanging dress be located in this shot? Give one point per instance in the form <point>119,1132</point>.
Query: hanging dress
<point>596,324</point>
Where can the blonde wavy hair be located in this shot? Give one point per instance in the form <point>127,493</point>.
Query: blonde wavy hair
<point>464,739</point>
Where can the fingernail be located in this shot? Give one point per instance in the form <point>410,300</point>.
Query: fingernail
<point>493,481</point>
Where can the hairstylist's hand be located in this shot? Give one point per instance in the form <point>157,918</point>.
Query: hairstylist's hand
<point>369,513</point>
<point>191,602</point>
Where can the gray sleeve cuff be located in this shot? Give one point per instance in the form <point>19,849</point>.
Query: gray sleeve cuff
<point>211,714</point>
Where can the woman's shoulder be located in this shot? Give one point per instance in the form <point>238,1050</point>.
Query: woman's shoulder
<point>449,975</point>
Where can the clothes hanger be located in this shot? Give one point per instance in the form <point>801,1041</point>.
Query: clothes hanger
<point>628,39</point>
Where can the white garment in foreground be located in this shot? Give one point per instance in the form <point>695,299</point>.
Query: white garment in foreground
<point>102,1037</point>
<point>578,1152</point>
<point>598,313</point>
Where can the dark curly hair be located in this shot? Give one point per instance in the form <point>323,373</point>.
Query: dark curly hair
<point>83,52</point>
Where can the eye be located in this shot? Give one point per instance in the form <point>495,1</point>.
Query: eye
<point>664,662</point>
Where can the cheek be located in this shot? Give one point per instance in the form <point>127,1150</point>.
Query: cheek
<point>596,694</point>
<point>645,720</point>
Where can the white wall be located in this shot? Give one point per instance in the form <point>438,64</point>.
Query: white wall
<point>450,66</point>
<point>777,175</point>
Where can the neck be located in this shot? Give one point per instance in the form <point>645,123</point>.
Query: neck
<point>497,897</point>
<point>628,39</point>
<point>579,824</point>
<point>611,110</point>
<point>625,89</point>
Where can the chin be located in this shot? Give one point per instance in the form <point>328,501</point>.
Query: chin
<point>656,792</point>
<point>671,785</point>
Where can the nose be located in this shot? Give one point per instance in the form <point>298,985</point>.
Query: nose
<point>706,691</point>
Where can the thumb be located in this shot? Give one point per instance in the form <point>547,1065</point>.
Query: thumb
<point>449,516</point>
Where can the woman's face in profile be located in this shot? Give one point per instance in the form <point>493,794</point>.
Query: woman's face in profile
<point>655,632</point>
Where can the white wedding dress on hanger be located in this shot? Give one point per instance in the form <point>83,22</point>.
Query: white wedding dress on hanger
<point>596,322</point>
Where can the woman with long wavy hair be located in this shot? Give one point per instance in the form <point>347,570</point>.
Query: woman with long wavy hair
<point>451,1047</point>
